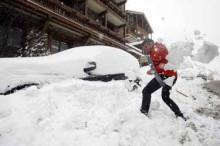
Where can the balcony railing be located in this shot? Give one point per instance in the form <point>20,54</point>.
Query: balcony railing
<point>113,6</point>
<point>65,11</point>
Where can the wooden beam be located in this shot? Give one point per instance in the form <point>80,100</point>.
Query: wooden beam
<point>105,19</point>
<point>124,33</point>
<point>49,47</point>
<point>142,22</point>
<point>136,16</point>
<point>128,19</point>
<point>45,25</point>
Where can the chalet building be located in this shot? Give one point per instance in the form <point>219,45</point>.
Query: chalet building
<point>43,27</point>
<point>138,27</point>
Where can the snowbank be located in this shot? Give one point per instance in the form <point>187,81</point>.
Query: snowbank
<point>182,50</point>
<point>69,63</point>
<point>214,86</point>
<point>206,53</point>
<point>69,111</point>
<point>177,52</point>
<point>80,113</point>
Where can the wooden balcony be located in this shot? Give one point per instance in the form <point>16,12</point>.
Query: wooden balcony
<point>140,30</point>
<point>112,16</point>
<point>113,6</point>
<point>59,11</point>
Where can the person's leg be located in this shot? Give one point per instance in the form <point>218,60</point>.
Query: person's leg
<point>151,87</point>
<point>166,98</point>
<point>173,106</point>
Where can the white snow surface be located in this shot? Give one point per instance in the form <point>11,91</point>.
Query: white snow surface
<point>67,111</point>
<point>69,63</point>
<point>197,50</point>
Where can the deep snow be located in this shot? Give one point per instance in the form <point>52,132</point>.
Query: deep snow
<point>69,63</point>
<point>66,111</point>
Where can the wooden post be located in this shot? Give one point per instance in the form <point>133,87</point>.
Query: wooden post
<point>86,7</point>
<point>49,42</point>
<point>124,35</point>
<point>136,19</point>
<point>106,20</point>
<point>45,25</point>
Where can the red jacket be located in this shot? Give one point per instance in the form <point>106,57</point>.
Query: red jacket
<point>158,55</point>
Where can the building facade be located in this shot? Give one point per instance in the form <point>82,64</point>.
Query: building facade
<point>138,28</point>
<point>43,27</point>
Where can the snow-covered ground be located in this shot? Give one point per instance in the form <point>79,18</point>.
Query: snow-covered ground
<point>67,111</point>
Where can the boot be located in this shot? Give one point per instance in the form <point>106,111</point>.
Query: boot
<point>182,116</point>
<point>144,112</point>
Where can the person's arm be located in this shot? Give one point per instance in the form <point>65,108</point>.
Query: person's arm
<point>159,66</point>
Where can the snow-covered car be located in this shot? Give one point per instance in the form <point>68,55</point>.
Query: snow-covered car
<point>88,63</point>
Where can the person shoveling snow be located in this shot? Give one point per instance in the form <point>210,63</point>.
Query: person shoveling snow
<point>163,78</point>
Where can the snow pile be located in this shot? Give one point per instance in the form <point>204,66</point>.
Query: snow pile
<point>206,53</point>
<point>196,59</point>
<point>192,69</point>
<point>214,86</point>
<point>66,111</point>
<point>75,112</point>
<point>177,52</point>
<point>72,62</point>
<point>181,52</point>
<point>214,65</point>
<point>69,63</point>
<point>197,49</point>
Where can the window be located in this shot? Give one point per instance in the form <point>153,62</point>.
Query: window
<point>2,34</point>
<point>63,46</point>
<point>58,46</point>
<point>14,38</point>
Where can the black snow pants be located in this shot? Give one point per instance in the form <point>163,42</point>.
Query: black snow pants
<point>151,87</point>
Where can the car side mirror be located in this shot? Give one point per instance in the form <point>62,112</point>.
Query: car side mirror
<point>90,67</point>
